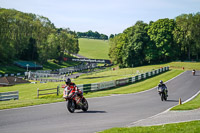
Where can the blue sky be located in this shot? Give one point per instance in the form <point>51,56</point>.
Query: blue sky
<point>105,16</point>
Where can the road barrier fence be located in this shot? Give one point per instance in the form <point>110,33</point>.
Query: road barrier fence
<point>43,90</point>
<point>13,95</point>
<point>110,84</point>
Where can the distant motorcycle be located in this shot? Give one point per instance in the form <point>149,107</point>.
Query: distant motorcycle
<point>162,93</point>
<point>193,72</point>
<point>75,101</point>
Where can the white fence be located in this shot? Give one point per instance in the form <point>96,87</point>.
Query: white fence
<point>120,82</point>
<point>4,96</point>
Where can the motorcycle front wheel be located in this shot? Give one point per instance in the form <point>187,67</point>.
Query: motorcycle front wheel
<point>71,106</point>
<point>162,96</point>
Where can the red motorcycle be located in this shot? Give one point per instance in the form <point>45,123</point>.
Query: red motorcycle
<point>75,101</point>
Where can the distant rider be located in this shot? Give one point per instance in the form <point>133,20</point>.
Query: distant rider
<point>73,87</point>
<point>163,86</point>
<point>193,72</point>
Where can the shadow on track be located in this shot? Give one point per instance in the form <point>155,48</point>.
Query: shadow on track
<point>196,75</point>
<point>93,111</point>
<point>172,101</point>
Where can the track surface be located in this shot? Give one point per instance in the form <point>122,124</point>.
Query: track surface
<point>103,113</point>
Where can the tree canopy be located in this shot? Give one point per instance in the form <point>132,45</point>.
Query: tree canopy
<point>93,35</point>
<point>160,41</point>
<point>26,36</point>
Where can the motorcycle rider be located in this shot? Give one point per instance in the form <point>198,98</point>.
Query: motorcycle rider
<point>193,72</point>
<point>163,86</point>
<point>72,86</point>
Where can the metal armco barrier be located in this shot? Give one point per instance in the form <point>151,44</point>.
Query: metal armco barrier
<point>110,84</point>
<point>5,96</point>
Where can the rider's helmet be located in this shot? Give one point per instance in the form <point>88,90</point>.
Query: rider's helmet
<point>161,81</point>
<point>68,81</point>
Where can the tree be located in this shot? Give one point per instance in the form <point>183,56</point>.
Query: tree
<point>134,51</point>
<point>91,34</point>
<point>161,33</point>
<point>195,33</point>
<point>127,49</point>
<point>28,36</point>
<point>183,34</point>
<point>115,50</point>
<point>111,36</point>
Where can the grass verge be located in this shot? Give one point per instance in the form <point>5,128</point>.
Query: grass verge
<point>28,92</point>
<point>93,48</point>
<point>193,104</point>
<point>185,127</point>
<point>138,86</point>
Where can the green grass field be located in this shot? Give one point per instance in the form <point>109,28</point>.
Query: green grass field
<point>93,48</point>
<point>6,69</point>
<point>139,86</point>
<point>193,104</point>
<point>28,92</point>
<point>49,65</point>
<point>185,127</point>
<point>186,65</point>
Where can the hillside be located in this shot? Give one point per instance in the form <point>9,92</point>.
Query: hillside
<point>93,48</point>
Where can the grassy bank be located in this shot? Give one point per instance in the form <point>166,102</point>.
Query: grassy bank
<point>93,48</point>
<point>139,86</point>
<point>110,75</point>
<point>185,65</point>
<point>49,65</point>
<point>28,92</point>
<point>193,104</point>
<point>185,127</point>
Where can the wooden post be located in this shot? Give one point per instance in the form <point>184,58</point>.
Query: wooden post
<point>37,92</point>
<point>17,95</point>
<point>57,90</point>
<point>180,101</point>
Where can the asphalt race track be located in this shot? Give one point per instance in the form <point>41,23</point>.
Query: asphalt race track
<point>103,113</point>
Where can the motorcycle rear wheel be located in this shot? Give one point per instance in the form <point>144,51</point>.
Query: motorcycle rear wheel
<point>85,105</point>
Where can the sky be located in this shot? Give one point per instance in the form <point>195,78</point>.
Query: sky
<point>104,16</point>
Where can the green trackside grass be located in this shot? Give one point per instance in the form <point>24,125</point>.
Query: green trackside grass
<point>5,69</point>
<point>138,86</point>
<point>110,75</point>
<point>186,65</point>
<point>28,95</point>
<point>193,104</point>
<point>185,127</point>
<point>28,92</point>
<point>49,65</point>
<point>93,48</point>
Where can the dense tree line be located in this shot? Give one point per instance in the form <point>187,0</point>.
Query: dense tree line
<point>93,35</point>
<point>160,41</point>
<point>27,36</point>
